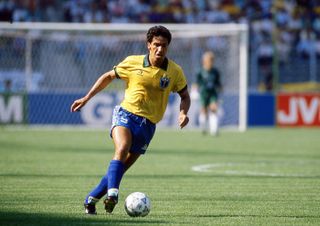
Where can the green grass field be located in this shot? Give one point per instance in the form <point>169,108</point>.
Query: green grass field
<point>260,177</point>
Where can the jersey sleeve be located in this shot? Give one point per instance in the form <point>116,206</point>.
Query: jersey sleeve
<point>122,69</point>
<point>181,81</point>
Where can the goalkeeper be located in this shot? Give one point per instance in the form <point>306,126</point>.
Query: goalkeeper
<point>149,80</point>
<point>209,85</point>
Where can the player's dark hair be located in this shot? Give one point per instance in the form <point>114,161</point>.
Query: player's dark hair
<point>158,31</point>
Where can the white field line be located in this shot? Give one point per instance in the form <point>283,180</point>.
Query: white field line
<point>206,168</point>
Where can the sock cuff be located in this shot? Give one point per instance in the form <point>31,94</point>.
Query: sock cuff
<point>91,200</point>
<point>116,162</point>
<point>113,192</point>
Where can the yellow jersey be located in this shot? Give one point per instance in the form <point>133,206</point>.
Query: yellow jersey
<point>148,87</point>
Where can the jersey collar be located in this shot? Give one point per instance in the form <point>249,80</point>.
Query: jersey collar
<point>146,62</point>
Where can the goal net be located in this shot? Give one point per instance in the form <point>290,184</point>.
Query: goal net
<point>48,65</point>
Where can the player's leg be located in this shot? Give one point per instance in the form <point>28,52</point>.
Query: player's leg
<point>135,135</point>
<point>110,202</point>
<point>131,158</point>
<point>114,173</point>
<point>213,117</point>
<point>102,188</point>
<point>111,181</point>
<point>122,139</point>
<point>95,195</point>
<point>203,116</point>
<point>203,119</point>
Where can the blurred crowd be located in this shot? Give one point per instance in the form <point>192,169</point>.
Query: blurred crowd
<point>293,26</point>
<point>289,12</point>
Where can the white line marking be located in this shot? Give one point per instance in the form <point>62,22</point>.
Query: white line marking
<point>207,168</point>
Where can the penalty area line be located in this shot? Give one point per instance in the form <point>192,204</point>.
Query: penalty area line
<point>211,168</point>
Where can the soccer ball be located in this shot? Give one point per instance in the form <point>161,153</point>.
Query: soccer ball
<point>137,204</point>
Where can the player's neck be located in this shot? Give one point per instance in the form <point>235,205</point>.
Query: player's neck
<point>156,62</point>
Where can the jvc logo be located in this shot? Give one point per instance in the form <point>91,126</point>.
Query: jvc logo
<point>11,109</point>
<point>298,110</point>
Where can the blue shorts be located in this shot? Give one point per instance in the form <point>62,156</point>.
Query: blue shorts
<point>142,129</point>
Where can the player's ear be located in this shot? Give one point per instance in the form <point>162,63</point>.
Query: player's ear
<point>149,45</point>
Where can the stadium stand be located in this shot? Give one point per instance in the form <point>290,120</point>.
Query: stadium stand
<point>292,26</point>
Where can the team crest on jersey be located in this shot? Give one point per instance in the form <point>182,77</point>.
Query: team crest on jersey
<point>164,82</point>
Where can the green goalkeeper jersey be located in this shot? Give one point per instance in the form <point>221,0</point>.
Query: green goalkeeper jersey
<point>209,81</point>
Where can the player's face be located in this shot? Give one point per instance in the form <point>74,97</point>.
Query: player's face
<point>208,62</point>
<point>158,48</point>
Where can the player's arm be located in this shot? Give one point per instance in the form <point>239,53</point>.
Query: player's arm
<point>102,82</point>
<point>184,107</point>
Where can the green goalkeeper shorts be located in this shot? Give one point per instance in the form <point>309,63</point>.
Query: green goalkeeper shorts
<point>207,98</point>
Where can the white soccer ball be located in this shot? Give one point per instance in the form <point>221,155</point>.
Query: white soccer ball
<point>137,204</point>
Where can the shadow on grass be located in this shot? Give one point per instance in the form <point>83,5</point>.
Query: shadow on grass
<point>17,218</point>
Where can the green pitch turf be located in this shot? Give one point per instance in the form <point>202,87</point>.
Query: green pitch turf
<point>260,177</point>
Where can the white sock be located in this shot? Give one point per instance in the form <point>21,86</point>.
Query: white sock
<point>213,123</point>
<point>203,122</point>
<point>92,200</point>
<point>113,192</point>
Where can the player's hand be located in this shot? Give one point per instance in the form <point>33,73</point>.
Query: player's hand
<point>78,104</point>
<point>183,120</point>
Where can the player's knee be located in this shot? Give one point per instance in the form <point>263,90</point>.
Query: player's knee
<point>213,107</point>
<point>213,110</point>
<point>121,153</point>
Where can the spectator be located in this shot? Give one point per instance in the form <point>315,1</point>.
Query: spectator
<point>231,9</point>
<point>265,58</point>
<point>139,10</point>
<point>20,12</point>
<point>6,10</point>
<point>305,46</point>
<point>94,14</point>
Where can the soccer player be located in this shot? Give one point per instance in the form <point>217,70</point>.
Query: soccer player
<point>149,80</point>
<point>209,86</point>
